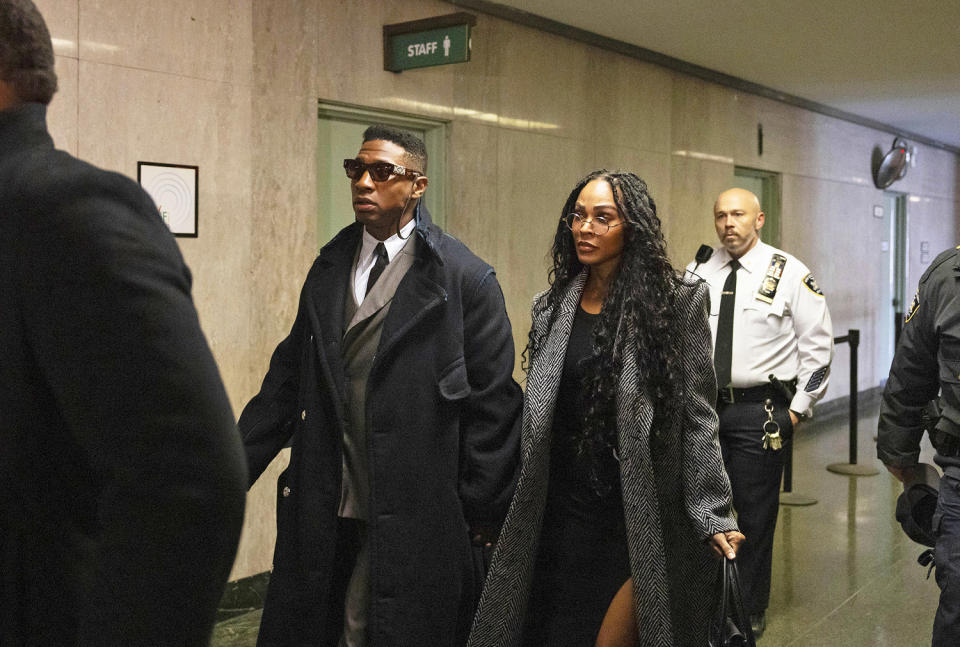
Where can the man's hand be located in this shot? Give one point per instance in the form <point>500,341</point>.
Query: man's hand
<point>726,544</point>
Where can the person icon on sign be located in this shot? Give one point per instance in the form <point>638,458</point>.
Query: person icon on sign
<point>446,46</point>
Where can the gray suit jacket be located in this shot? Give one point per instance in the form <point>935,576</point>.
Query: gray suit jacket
<point>360,343</point>
<point>675,491</point>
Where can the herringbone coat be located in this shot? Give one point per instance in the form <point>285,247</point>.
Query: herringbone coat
<point>675,491</point>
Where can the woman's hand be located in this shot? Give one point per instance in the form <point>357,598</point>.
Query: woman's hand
<point>726,544</point>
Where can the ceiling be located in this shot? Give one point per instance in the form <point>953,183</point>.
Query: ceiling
<point>896,63</point>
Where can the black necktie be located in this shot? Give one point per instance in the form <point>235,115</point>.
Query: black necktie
<point>381,253</point>
<point>723,353</point>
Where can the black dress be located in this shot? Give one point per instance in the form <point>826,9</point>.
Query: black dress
<point>582,559</point>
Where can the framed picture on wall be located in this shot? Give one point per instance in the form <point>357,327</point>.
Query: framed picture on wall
<point>173,188</point>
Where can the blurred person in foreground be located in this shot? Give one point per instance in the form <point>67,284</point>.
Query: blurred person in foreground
<point>121,472</point>
<point>926,366</point>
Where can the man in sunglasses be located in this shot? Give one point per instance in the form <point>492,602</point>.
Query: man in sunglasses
<point>395,391</point>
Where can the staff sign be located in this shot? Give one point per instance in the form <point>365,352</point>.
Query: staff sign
<point>425,43</point>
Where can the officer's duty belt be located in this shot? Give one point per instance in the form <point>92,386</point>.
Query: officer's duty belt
<point>760,393</point>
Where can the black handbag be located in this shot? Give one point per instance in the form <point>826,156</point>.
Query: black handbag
<point>730,625</point>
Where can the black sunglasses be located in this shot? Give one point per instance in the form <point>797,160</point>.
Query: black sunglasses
<point>379,171</point>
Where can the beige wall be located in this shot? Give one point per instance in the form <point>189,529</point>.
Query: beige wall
<point>232,86</point>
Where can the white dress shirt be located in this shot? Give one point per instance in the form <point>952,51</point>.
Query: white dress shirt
<point>367,258</point>
<point>789,338</point>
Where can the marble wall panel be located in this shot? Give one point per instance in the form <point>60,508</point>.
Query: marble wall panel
<point>205,40</point>
<point>628,102</point>
<point>545,84</point>
<point>932,228</point>
<point>255,552</point>
<point>175,119</point>
<point>62,21</point>
<point>476,84</point>
<point>830,227</point>
<point>778,140</point>
<point>286,47</point>
<point>284,215</point>
<point>530,198</point>
<point>473,205</point>
<point>62,112</point>
<point>800,142</point>
<point>702,119</point>
<point>837,150</point>
<point>688,220</point>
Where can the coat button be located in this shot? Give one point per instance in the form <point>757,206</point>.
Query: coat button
<point>286,491</point>
<point>303,414</point>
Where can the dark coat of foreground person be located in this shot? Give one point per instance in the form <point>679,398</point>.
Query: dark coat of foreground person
<point>122,475</point>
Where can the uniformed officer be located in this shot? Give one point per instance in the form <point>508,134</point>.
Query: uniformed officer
<point>927,361</point>
<point>773,342</point>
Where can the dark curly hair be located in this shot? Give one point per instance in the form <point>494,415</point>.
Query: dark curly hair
<point>26,52</point>
<point>642,299</point>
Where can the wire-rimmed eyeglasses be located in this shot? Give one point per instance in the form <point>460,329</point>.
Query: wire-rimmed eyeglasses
<point>576,221</point>
<point>379,171</point>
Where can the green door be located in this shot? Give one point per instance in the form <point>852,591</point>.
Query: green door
<point>766,186</point>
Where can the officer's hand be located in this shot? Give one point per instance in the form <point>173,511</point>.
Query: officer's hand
<point>726,544</point>
<point>794,419</point>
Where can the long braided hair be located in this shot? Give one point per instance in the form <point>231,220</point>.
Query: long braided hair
<point>642,298</point>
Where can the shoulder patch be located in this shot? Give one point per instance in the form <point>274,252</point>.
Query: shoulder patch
<point>913,307</point>
<point>811,284</point>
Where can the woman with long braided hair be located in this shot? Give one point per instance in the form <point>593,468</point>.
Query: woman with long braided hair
<point>622,490</point>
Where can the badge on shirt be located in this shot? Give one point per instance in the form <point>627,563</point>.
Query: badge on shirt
<point>913,307</point>
<point>811,283</point>
<point>771,280</point>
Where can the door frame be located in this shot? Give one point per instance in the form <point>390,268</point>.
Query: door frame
<point>770,202</point>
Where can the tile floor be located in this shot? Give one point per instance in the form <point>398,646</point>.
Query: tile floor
<point>844,573</point>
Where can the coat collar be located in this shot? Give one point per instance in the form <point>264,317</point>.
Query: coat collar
<point>543,381</point>
<point>419,290</point>
<point>24,126</point>
<point>634,408</point>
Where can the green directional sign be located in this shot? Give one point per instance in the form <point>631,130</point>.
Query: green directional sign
<point>426,43</point>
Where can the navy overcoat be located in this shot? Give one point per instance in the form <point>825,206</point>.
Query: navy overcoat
<point>442,443</point>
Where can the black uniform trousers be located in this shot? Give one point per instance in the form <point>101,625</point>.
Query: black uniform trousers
<point>946,522</point>
<point>755,475</point>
